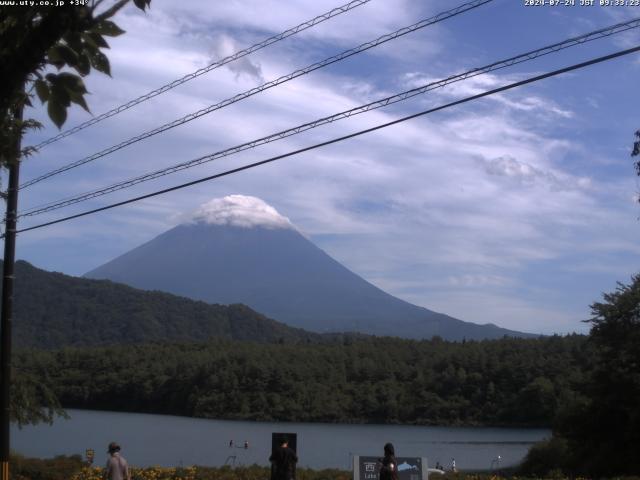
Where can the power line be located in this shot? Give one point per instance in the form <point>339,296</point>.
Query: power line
<point>242,53</point>
<point>285,78</point>
<point>340,139</point>
<point>531,55</point>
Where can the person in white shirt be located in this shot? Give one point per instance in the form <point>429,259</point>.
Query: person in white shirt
<point>117,468</point>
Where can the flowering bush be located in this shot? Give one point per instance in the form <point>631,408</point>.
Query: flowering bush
<point>210,473</point>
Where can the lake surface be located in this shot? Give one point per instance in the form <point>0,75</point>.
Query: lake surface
<point>171,441</point>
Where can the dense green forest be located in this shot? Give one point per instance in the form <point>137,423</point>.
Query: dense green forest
<point>53,310</point>
<point>381,380</point>
<point>598,435</point>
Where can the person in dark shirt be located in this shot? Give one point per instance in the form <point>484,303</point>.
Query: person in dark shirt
<point>283,461</point>
<point>389,467</point>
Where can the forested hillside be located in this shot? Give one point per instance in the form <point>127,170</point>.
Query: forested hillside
<point>52,310</point>
<point>382,380</point>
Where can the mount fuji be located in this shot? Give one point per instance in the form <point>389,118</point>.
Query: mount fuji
<point>238,249</point>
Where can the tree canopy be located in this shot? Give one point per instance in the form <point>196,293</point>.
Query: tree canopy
<point>510,381</point>
<point>607,440</point>
<point>47,50</point>
<point>599,433</point>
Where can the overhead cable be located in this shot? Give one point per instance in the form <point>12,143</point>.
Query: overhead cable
<point>340,139</point>
<point>528,56</point>
<point>285,78</point>
<point>235,56</point>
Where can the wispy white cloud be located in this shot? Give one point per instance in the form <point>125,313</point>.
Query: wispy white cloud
<point>225,46</point>
<point>526,175</point>
<point>486,82</point>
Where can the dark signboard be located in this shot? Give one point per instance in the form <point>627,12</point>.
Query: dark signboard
<point>409,468</point>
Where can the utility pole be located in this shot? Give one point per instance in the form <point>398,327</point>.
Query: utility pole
<point>6,313</point>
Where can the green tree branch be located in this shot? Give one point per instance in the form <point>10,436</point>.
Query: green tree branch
<point>35,39</point>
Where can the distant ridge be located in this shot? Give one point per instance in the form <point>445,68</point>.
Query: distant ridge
<point>53,310</point>
<point>238,249</point>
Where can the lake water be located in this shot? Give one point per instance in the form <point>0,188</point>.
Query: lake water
<point>171,441</point>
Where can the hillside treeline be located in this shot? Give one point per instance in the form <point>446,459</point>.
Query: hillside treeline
<point>377,380</point>
<point>54,310</point>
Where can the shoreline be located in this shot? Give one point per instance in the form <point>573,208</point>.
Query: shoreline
<point>341,422</point>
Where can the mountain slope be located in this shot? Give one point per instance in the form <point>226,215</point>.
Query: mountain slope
<point>280,273</point>
<point>52,310</point>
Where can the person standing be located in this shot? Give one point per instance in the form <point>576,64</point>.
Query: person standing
<point>283,462</point>
<point>389,467</point>
<point>117,468</point>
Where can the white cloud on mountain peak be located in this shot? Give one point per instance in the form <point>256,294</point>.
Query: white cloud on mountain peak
<point>240,211</point>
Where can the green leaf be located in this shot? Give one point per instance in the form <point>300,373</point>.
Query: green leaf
<point>100,62</point>
<point>89,42</point>
<point>78,99</point>
<point>59,94</point>
<point>89,46</point>
<point>97,39</point>
<point>57,112</point>
<point>108,28</point>
<point>62,53</point>
<point>142,4</point>
<point>71,82</point>
<point>55,58</point>
<point>93,41</point>
<point>73,40</point>
<point>68,55</point>
<point>42,89</point>
<point>84,65</point>
<point>74,88</point>
<point>66,78</point>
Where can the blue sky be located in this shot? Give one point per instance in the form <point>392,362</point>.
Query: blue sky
<point>517,209</point>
